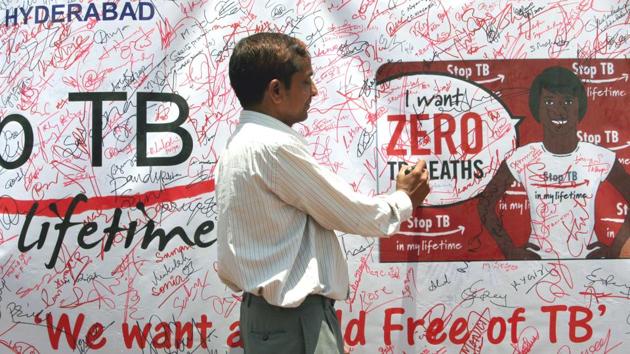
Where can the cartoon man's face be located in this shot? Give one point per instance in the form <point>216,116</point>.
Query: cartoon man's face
<point>558,113</point>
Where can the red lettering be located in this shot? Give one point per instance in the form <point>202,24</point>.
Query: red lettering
<point>444,126</point>
<point>54,331</point>
<point>417,135</point>
<point>553,319</point>
<point>502,329</point>
<point>436,326</point>
<point>94,333</point>
<point>459,326</point>
<point>135,335</point>
<point>162,339</point>
<point>574,324</point>
<point>388,327</point>
<point>391,148</point>
<point>446,135</point>
<point>163,335</point>
<point>411,329</point>
<point>477,131</point>
<point>180,331</point>
<point>514,320</point>
<point>359,324</point>
<point>203,326</point>
<point>234,339</point>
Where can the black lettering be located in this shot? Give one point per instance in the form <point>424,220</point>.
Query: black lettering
<point>203,229</point>
<point>172,127</point>
<point>131,232</point>
<point>63,227</point>
<point>97,99</point>
<point>150,235</point>
<point>466,170</point>
<point>433,169</point>
<point>28,141</point>
<point>42,235</point>
<point>112,230</point>
<point>86,230</point>
<point>446,173</point>
<point>478,171</point>
<point>89,228</point>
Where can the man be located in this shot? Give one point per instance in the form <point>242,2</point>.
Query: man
<point>561,176</point>
<point>278,208</point>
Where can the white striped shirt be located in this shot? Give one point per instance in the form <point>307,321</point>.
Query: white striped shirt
<point>277,209</point>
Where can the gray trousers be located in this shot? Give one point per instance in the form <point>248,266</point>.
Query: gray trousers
<point>309,328</point>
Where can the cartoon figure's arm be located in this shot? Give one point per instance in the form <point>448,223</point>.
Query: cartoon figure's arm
<point>487,213</point>
<point>620,179</point>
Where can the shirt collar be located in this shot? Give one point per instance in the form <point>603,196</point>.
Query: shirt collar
<point>269,122</point>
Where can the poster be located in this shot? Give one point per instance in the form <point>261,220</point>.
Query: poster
<point>467,118</point>
<point>113,115</point>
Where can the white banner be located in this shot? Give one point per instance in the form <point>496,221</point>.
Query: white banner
<point>113,115</point>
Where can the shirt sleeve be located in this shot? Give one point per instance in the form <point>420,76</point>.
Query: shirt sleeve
<point>304,184</point>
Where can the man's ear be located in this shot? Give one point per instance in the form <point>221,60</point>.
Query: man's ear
<point>275,90</point>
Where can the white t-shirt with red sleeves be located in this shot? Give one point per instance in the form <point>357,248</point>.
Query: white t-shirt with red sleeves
<point>561,190</point>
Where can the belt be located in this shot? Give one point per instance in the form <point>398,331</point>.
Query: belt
<point>310,300</point>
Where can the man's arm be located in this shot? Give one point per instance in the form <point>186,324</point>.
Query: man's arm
<point>620,179</point>
<point>487,213</point>
<point>302,183</point>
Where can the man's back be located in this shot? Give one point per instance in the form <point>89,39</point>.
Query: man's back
<point>267,241</point>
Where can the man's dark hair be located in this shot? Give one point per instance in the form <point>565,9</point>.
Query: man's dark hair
<point>260,58</point>
<point>558,80</point>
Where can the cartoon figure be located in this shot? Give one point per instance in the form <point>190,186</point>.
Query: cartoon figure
<point>561,176</point>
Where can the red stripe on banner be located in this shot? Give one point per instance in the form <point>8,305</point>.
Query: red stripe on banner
<point>12,206</point>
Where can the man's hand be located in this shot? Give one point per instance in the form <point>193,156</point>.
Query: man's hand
<point>414,181</point>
